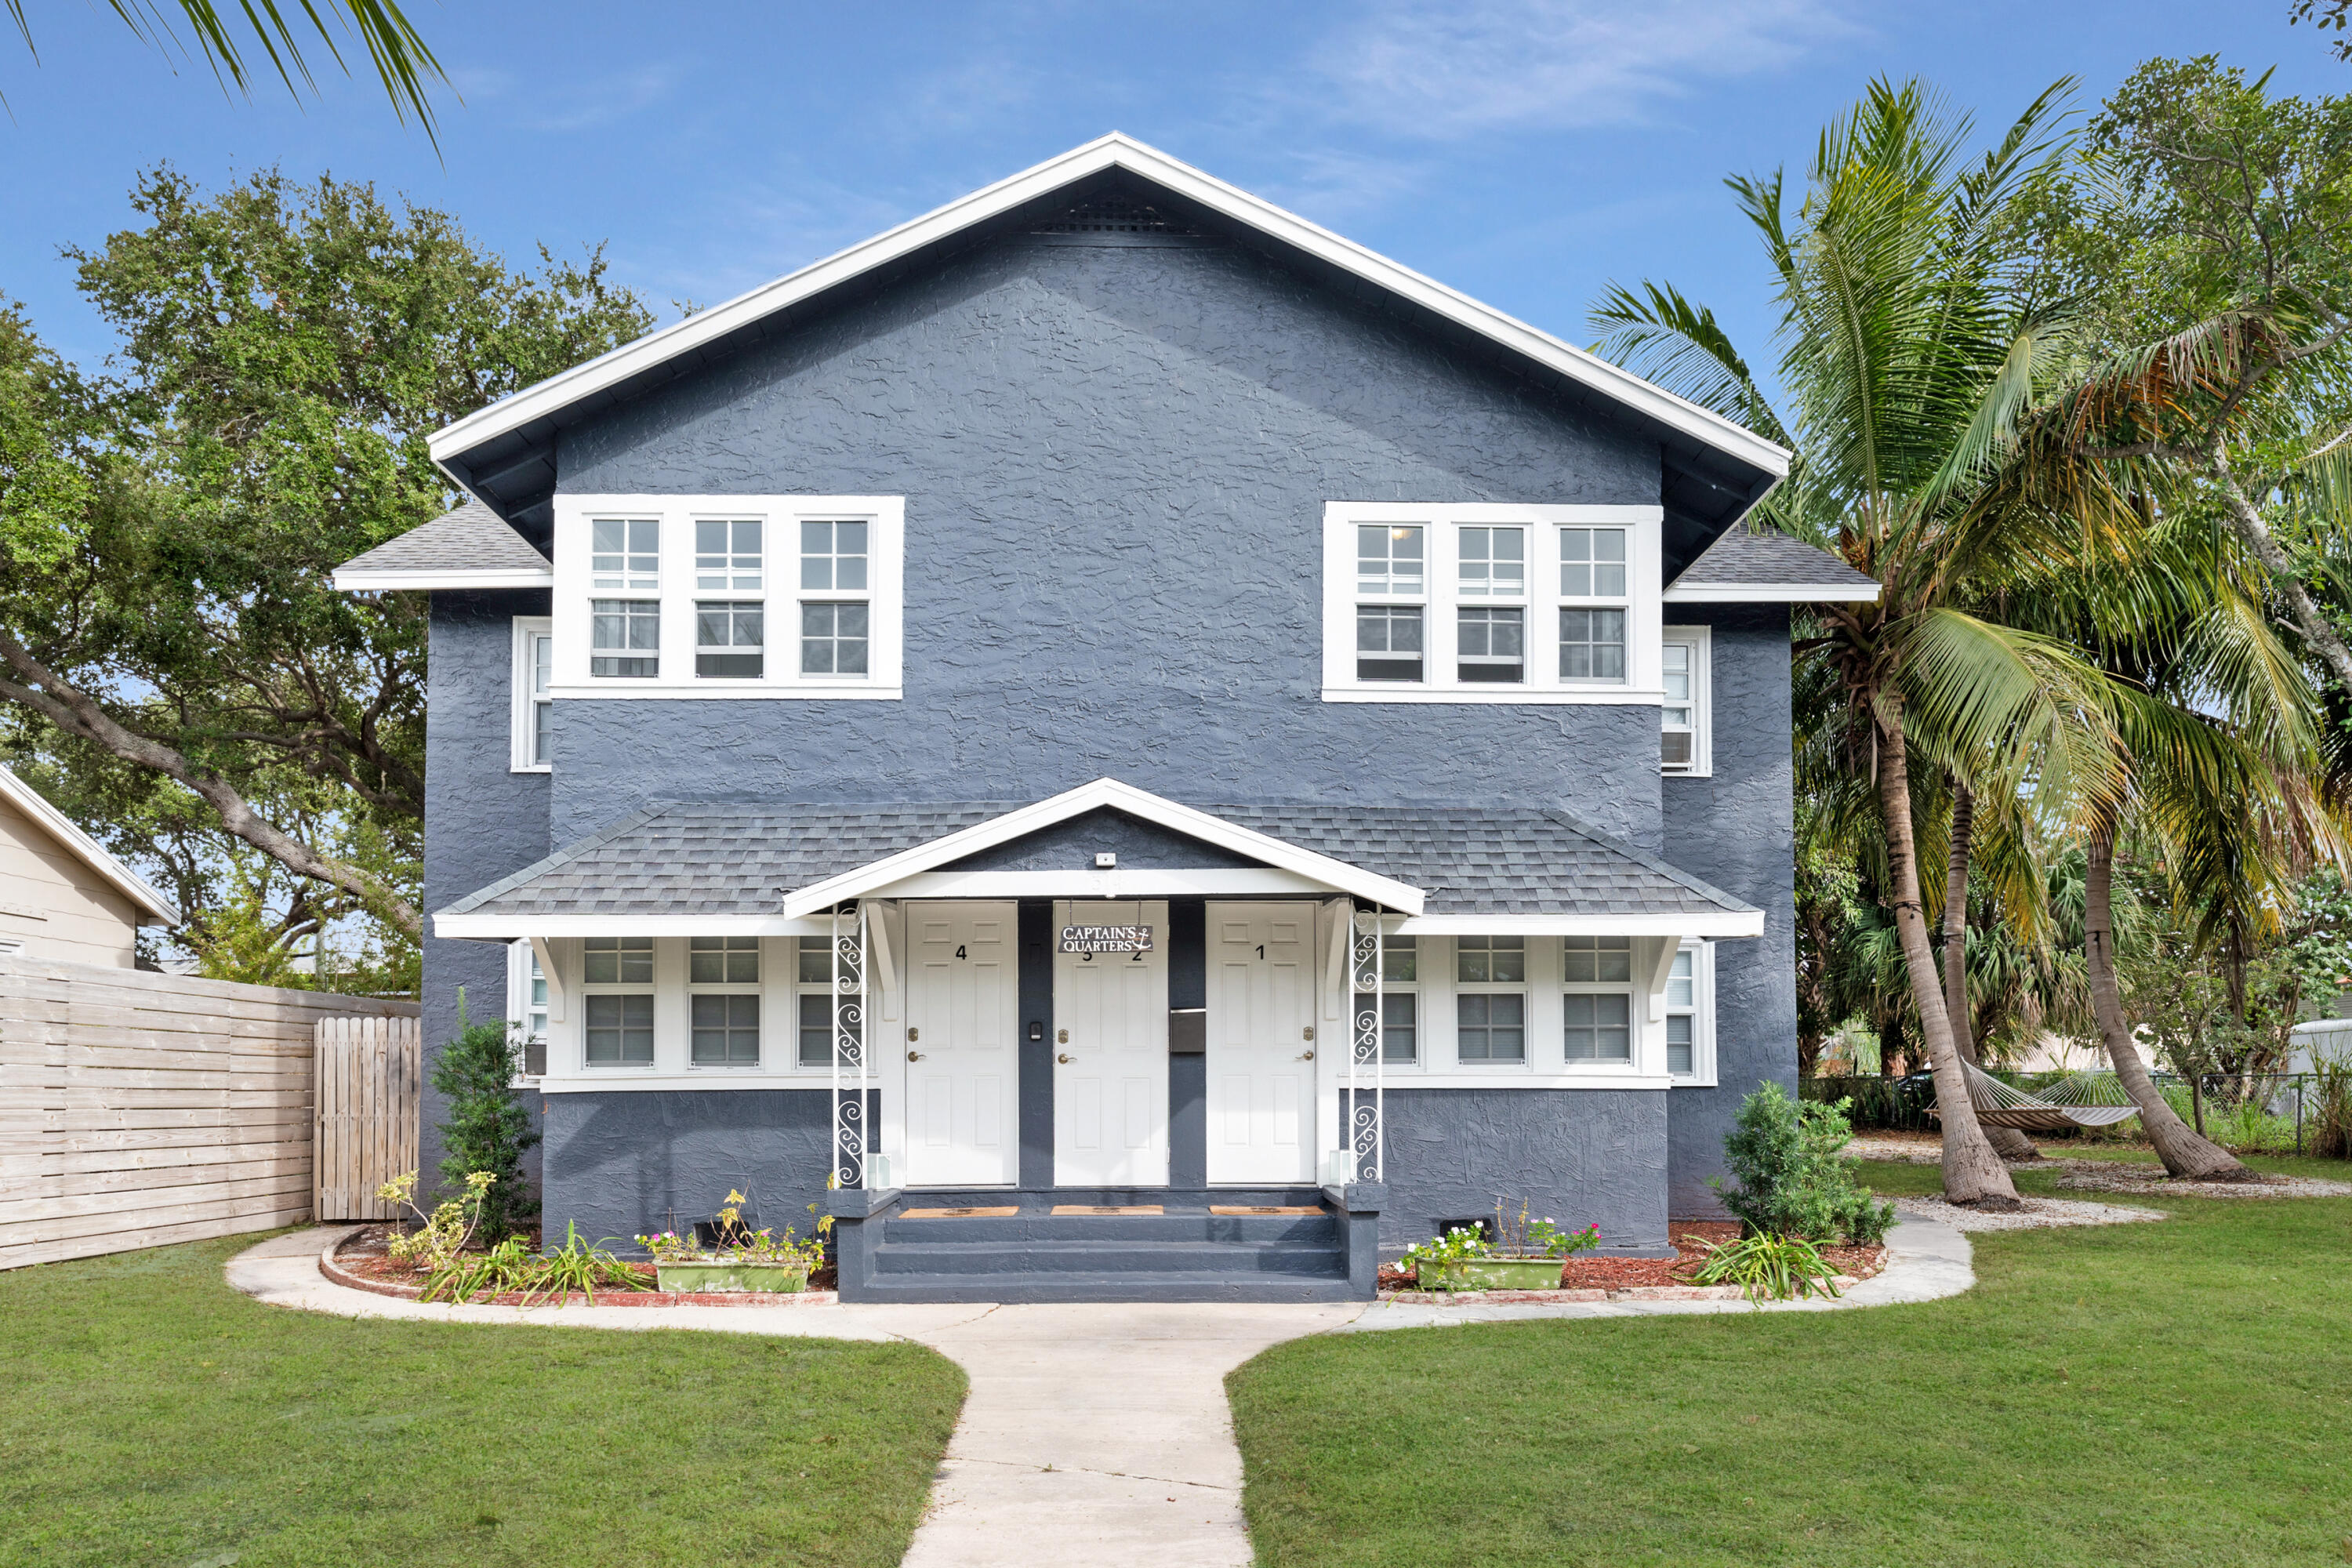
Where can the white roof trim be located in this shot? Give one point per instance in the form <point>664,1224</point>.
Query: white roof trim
<point>510,927</point>
<point>59,826</point>
<point>1719,923</point>
<point>1773,594</point>
<point>1114,151</point>
<point>1337,875</point>
<point>430,577</point>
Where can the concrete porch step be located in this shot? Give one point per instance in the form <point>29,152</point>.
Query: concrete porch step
<point>1175,1226</point>
<point>1027,1259</point>
<point>1132,1287</point>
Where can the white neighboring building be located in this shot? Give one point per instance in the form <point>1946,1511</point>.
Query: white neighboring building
<point>62,897</point>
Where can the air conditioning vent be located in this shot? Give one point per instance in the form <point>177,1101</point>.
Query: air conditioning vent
<point>1674,750</point>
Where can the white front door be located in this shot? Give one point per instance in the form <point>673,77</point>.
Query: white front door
<point>1110,1054</point>
<point>963,1066</point>
<point>1261,1048</point>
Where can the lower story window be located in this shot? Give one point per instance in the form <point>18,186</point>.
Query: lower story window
<point>1493,646</point>
<point>730,641</point>
<point>1592,645</point>
<point>621,1029</point>
<point>726,1031</point>
<point>1491,1026</point>
<point>1388,642</point>
<point>1400,1025</point>
<point>1681,1042</point>
<point>833,639</point>
<point>1682,1014</point>
<point>816,1029</point>
<point>1599,1029</point>
<point>625,639</point>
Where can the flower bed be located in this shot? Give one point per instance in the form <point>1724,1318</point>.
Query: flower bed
<point>360,1263</point>
<point>1589,1278</point>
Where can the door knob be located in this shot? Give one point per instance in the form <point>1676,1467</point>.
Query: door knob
<point>1063,1057</point>
<point>914,1056</point>
<point>1306,1056</point>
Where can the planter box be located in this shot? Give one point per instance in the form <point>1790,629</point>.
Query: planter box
<point>1494,1274</point>
<point>765,1277</point>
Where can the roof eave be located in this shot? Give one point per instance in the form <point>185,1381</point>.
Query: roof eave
<point>426,579</point>
<point>1772,593</point>
<point>61,827</point>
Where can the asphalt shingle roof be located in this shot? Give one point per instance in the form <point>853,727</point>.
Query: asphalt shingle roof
<point>471,539</point>
<point>1744,558</point>
<point>685,859</point>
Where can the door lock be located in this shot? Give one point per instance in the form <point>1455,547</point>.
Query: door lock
<point>1063,1057</point>
<point>914,1056</point>
<point>1062,1037</point>
<point>1305,1034</point>
<point>913,1035</point>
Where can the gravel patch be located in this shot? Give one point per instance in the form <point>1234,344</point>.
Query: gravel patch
<point>2102,1176</point>
<point>2039,1213</point>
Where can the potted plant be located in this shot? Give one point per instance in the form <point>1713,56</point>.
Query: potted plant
<point>1525,1254</point>
<point>737,1258</point>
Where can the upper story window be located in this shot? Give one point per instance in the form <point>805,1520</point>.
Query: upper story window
<point>1523,604</point>
<point>625,553</point>
<point>1684,729</point>
<point>642,581</point>
<point>534,706</point>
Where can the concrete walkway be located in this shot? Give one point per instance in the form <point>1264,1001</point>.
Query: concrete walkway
<point>1093,1435</point>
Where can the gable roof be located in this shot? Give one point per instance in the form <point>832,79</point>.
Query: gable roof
<point>85,849</point>
<point>472,547</point>
<point>744,868</point>
<point>1753,565</point>
<point>505,453</point>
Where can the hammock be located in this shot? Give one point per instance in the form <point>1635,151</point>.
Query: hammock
<point>2078,1099</point>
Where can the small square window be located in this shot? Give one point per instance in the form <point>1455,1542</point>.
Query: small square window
<point>834,557</point>
<point>624,552</point>
<point>620,1029</point>
<point>1388,642</point>
<point>833,639</point>
<point>1599,1029</point>
<point>727,555</point>
<point>1490,959</point>
<point>816,1026</point>
<point>1598,959</point>
<point>1492,1027</point>
<point>1399,1029</point>
<point>815,961</point>
<point>1399,957</point>
<point>722,961</point>
<point>1493,645</point>
<point>725,1031</point>
<point>1592,563</point>
<point>1592,645</point>
<point>1494,562</point>
<point>625,639</point>
<point>730,641</point>
<point>1389,559</point>
<point>619,961</point>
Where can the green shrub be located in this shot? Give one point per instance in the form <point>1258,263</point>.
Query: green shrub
<point>1784,1154</point>
<point>488,1126</point>
<point>1769,1267</point>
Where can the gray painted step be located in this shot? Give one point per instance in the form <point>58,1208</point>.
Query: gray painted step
<point>1043,1198</point>
<point>1012,1230</point>
<point>1136,1286</point>
<point>1102,1257</point>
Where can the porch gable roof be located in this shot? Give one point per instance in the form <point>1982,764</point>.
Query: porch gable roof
<point>772,868</point>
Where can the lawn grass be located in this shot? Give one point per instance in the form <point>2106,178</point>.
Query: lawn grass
<point>2158,1394</point>
<point>150,1416</point>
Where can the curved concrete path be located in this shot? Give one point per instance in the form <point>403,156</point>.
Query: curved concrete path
<point>1093,1435</point>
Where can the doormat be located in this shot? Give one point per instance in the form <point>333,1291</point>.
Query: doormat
<point>1260,1208</point>
<point>1108,1208</point>
<point>958,1214</point>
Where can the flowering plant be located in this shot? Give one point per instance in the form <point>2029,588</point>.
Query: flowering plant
<point>737,1244</point>
<point>1554,1242</point>
<point>1518,1235</point>
<point>1431,1260</point>
<point>445,1231</point>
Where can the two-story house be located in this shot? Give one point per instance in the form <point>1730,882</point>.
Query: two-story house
<point>1150,744</point>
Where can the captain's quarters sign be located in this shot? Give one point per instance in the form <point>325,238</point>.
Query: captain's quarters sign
<point>1105,939</point>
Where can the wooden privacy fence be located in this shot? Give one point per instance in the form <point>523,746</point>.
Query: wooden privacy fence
<point>368,1087</point>
<point>140,1109</point>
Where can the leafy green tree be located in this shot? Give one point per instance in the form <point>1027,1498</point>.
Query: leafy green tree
<point>165,604</point>
<point>489,1127</point>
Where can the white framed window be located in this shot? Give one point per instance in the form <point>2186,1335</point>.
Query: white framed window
<point>1597,1001</point>
<point>616,1003</point>
<point>722,1000</point>
<point>636,574</point>
<point>1488,603</point>
<point>534,669</point>
<point>526,1007</point>
<point>1685,728</point>
<point>813,1001</point>
<point>1690,1015</point>
<point>1400,997</point>
<point>1490,1000</point>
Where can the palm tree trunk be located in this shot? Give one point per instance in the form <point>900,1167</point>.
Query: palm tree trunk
<point>2007,1142</point>
<point>2187,1154</point>
<point>1973,1173</point>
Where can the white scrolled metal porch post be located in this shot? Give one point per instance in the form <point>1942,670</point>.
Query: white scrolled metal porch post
<point>849,1130</point>
<point>1367,1134</point>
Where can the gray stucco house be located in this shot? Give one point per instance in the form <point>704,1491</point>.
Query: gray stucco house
<point>1109,697</point>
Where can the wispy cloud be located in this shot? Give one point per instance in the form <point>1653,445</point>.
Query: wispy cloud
<point>1456,68</point>
<point>587,105</point>
<point>1330,185</point>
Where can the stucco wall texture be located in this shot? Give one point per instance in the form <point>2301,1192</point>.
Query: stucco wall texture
<point>1114,460</point>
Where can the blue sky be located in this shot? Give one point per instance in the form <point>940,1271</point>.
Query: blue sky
<point>1527,151</point>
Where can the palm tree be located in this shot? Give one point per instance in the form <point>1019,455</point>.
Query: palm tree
<point>403,61</point>
<point>1910,367</point>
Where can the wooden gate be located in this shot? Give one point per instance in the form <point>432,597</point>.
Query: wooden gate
<point>370,1081</point>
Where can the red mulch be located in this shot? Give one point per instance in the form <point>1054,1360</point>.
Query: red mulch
<point>1587,1272</point>
<point>363,1255</point>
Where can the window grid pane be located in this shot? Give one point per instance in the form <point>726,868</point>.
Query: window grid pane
<point>722,961</point>
<point>1389,559</point>
<point>816,1039</point>
<point>1388,642</point>
<point>624,552</point>
<point>625,637</point>
<point>619,961</point>
<point>1681,1045</point>
<point>1491,1028</point>
<point>1400,958</point>
<point>1494,562</point>
<point>1597,960</point>
<point>1592,563</point>
<point>726,554</point>
<point>1598,1028</point>
<point>1493,645</point>
<point>833,639</point>
<point>1592,645</point>
<point>1490,959</point>
<point>725,1031</point>
<point>834,557</point>
<point>620,1029</point>
<point>740,628</point>
<point>1400,1032</point>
